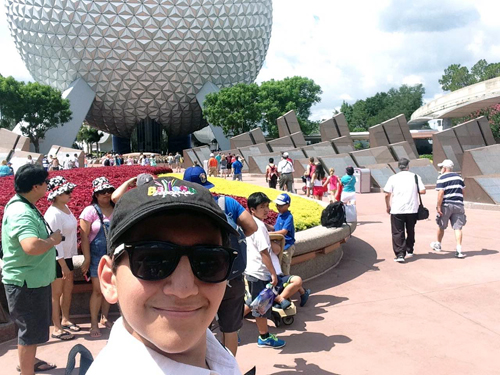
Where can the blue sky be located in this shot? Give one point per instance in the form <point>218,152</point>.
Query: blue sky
<point>354,49</point>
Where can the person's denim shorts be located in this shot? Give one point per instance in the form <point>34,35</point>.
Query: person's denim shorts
<point>454,214</point>
<point>31,310</point>
<point>256,286</point>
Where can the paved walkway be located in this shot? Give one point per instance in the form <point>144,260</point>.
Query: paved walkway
<point>435,314</point>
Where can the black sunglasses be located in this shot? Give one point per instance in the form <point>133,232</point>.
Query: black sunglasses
<point>157,260</point>
<point>106,191</point>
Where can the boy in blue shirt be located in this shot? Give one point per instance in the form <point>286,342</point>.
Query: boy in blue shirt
<point>285,226</point>
<point>237,167</point>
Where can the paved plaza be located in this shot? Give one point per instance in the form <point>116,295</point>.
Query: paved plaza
<point>434,314</point>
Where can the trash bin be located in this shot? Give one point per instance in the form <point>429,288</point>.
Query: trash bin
<point>363,180</point>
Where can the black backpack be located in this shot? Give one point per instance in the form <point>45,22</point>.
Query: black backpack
<point>107,163</point>
<point>333,215</point>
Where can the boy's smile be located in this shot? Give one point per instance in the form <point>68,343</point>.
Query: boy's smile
<point>171,315</point>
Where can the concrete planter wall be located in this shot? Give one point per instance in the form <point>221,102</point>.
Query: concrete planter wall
<point>319,249</point>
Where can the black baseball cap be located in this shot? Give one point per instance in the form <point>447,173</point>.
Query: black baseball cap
<point>162,195</point>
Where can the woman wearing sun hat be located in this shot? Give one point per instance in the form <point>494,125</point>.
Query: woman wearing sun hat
<point>94,224</point>
<point>59,216</point>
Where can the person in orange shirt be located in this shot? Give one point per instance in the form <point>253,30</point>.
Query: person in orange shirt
<point>212,166</point>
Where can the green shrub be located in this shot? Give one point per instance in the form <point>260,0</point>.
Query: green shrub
<point>426,156</point>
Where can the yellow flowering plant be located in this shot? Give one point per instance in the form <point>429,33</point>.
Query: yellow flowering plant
<point>306,213</point>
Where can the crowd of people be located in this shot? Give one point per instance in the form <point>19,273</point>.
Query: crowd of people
<point>225,165</point>
<point>173,161</point>
<point>170,277</point>
<point>44,283</point>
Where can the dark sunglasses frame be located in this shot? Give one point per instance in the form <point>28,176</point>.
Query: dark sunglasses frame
<point>164,248</point>
<point>109,191</point>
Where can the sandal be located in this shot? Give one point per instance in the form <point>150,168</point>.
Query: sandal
<point>95,333</point>
<point>107,324</point>
<point>64,336</point>
<point>40,366</point>
<point>72,327</point>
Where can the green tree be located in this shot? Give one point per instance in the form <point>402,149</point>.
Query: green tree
<point>382,106</point>
<point>456,76</point>
<point>235,109</point>
<point>295,93</point>
<point>243,107</point>
<point>43,109</point>
<point>11,103</point>
<point>89,136</point>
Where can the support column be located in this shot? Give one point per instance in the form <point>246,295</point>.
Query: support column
<point>121,145</point>
<point>149,136</point>
<point>179,143</point>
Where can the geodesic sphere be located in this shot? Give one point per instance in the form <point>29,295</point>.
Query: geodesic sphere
<point>142,58</point>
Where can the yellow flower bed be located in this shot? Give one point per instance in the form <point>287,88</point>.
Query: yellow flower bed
<point>306,213</point>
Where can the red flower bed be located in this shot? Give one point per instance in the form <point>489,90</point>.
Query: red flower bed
<point>271,217</point>
<point>82,177</point>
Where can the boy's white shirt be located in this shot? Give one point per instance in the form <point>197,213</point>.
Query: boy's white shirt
<point>276,263</point>
<point>257,242</point>
<point>124,354</point>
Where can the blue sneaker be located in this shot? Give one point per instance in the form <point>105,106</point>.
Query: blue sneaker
<point>304,297</point>
<point>271,342</point>
<point>285,304</point>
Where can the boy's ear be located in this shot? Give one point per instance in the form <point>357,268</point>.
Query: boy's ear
<point>107,279</point>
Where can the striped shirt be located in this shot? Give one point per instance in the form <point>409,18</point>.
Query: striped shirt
<point>453,186</point>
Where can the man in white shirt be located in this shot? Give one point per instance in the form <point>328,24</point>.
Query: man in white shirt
<point>401,199</point>
<point>285,170</point>
<point>167,265</point>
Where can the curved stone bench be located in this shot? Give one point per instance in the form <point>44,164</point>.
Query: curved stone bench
<point>319,249</point>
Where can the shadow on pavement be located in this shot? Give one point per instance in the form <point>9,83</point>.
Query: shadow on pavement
<point>312,342</point>
<point>450,254</point>
<point>302,367</point>
<point>7,346</point>
<point>359,257</point>
<point>368,222</point>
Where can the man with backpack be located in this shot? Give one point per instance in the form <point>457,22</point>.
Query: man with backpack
<point>230,311</point>
<point>272,174</point>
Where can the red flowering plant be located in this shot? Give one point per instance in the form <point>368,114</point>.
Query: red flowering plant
<point>492,113</point>
<point>82,177</point>
<point>271,216</point>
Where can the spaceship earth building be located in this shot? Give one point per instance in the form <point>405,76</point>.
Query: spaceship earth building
<point>142,58</point>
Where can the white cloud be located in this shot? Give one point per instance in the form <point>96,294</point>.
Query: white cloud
<point>412,80</point>
<point>346,97</point>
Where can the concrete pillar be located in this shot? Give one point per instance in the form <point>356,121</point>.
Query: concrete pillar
<point>121,145</point>
<point>447,123</point>
<point>179,143</point>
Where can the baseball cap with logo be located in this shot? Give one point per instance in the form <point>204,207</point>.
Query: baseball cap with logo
<point>197,175</point>
<point>447,163</point>
<point>283,199</point>
<point>162,195</point>
<point>144,178</point>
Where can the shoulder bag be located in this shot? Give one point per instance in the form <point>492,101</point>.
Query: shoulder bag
<point>422,213</point>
